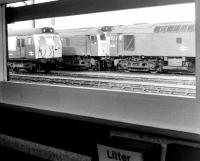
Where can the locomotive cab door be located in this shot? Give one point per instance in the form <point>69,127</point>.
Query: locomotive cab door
<point>92,45</point>
<point>103,44</point>
<point>115,44</point>
<point>21,51</point>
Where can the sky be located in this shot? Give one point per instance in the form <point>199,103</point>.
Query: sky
<point>151,15</point>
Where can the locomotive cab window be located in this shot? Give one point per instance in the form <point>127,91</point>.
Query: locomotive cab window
<point>179,40</point>
<point>130,62</point>
<point>129,42</point>
<point>18,43</point>
<point>29,41</point>
<point>93,39</point>
<point>23,43</point>
<point>65,41</point>
<point>103,37</point>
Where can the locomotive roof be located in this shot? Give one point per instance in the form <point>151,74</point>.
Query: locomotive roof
<point>26,32</point>
<point>155,28</point>
<point>79,31</point>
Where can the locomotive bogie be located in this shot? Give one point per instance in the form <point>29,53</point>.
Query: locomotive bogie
<point>75,62</point>
<point>186,64</point>
<point>22,64</point>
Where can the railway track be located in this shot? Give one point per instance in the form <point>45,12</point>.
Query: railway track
<point>157,78</point>
<point>144,85</point>
<point>169,79</point>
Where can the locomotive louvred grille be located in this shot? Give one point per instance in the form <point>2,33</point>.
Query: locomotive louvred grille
<point>174,28</point>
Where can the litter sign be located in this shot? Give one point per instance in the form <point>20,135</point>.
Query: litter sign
<point>107,153</point>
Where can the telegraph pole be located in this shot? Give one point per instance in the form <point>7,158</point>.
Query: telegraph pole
<point>33,21</point>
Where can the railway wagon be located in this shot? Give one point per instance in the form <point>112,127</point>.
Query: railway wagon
<point>34,49</point>
<point>85,48</point>
<point>159,47</point>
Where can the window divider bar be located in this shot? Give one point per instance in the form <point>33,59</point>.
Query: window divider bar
<point>77,7</point>
<point>197,36</point>
<point>3,44</point>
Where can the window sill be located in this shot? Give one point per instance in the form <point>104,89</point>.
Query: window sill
<point>174,113</point>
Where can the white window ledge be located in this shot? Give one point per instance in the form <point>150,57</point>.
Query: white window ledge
<point>174,113</point>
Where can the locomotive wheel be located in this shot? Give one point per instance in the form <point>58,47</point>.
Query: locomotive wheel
<point>32,70</point>
<point>154,71</point>
<point>191,67</point>
<point>47,70</point>
<point>16,70</point>
<point>157,70</point>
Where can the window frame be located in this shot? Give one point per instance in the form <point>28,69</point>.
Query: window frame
<point>165,112</point>
<point>9,1</point>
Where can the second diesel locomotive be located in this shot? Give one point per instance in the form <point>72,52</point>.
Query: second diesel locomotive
<point>141,47</point>
<point>84,48</point>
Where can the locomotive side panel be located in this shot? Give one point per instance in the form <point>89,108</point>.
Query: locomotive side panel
<point>169,45</point>
<point>18,48</point>
<point>74,45</point>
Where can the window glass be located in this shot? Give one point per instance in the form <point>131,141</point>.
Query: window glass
<point>29,41</point>
<point>179,40</point>
<point>23,43</point>
<point>102,37</point>
<point>12,43</point>
<point>18,43</point>
<point>67,41</point>
<point>147,50</point>
<point>93,39</point>
<point>28,2</point>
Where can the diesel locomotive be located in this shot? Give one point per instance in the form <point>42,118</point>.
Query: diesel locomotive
<point>160,47</point>
<point>33,49</point>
